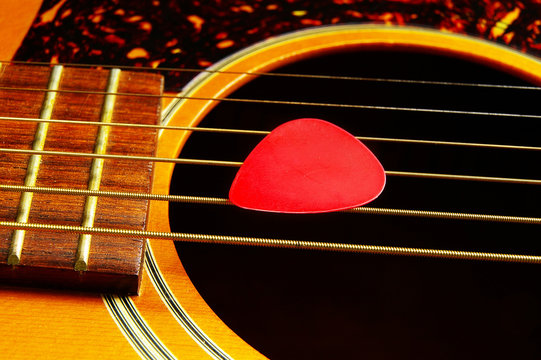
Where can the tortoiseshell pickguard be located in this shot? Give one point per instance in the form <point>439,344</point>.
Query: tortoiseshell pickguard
<point>195,34</point>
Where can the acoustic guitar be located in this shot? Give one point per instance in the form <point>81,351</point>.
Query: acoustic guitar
<point>120,140</point>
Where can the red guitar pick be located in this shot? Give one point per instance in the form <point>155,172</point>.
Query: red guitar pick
<point>307,166</point>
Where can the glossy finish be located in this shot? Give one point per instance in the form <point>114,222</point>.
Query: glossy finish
<point>72,325</point>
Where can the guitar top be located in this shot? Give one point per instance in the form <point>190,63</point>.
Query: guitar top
<point>196,34</point>
<point>382,307</point>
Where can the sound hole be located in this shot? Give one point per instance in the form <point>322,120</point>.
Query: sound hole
<point>292,304</point>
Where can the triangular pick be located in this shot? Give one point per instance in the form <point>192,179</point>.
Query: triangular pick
<point>307,166</point>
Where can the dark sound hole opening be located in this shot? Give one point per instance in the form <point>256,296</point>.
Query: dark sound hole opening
<point>292,304</point>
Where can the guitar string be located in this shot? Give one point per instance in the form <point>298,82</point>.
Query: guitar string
<point>334,246</point>
<point>285,75</point>
<point>315,104</point>
<point>445,176</point>
<point>224,163</point>
<point>285,102</point>
<point>443,253</point>
<point>265,132</point>
<point>279,243</point>
<point>223,201</point>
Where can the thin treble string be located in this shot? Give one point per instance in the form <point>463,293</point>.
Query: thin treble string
<point>224,163</point>
<point>140,126</point>
<point>235,164</point>
<point>285,102</point>
<point>265,132</point>
<point>205,200</point>
<point>285,75</point>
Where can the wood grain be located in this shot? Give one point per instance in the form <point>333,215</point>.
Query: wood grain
<point>48,257</point>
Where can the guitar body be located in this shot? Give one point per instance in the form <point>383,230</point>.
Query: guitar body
<point>169,319</point>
